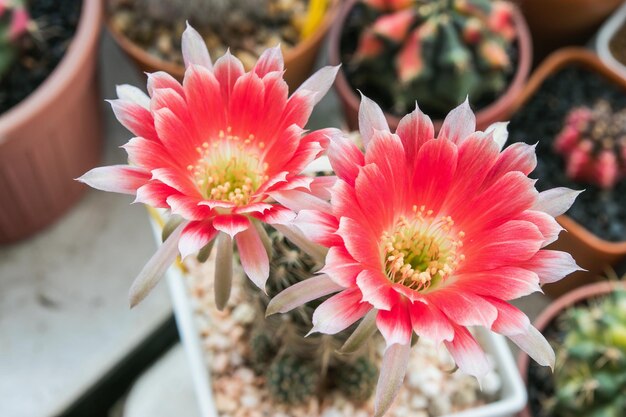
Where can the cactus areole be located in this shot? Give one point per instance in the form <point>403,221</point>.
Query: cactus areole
<point>434,52</point>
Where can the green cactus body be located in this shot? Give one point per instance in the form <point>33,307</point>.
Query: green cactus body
<point>292,380</point>
<point>590,377</point>
<point>448,50</point>
<point>297,367</point>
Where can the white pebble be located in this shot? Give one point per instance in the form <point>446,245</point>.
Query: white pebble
<point>243,314</point>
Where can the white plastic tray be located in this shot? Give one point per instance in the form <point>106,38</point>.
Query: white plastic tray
<point>605,34</point>
<point>513,393</point>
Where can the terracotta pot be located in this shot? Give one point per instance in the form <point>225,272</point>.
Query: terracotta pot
<point>52,137</point>
<point>557,23</point>
<point>551,313</point>
<point>590,251</point>
<point>299,60</point>
<point>498,110</point>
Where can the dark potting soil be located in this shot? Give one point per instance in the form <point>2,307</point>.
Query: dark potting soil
<point>603,212</point>
<point>42,51</point>
<point>361,16</point>
<point>540,379</point>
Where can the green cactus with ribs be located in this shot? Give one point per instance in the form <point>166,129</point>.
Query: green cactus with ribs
<point>590,376</point>
<point>436,52</point>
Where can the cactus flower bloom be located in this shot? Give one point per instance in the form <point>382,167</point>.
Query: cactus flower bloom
<point>431,236</point>
<point>218,151</point>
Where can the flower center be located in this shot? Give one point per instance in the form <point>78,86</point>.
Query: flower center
<point>229,169</point>
<point>421,249</point>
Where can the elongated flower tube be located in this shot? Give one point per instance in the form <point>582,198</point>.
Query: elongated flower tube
<point>219,151</point>
<point>432,236</point>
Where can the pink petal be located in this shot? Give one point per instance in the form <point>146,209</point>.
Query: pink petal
<point>344,202</point>
<point>517,157</point>
<point>552,265</point>
<point>508,244</point>
<point>306,153</point>
<point>511,320</point>
<point>227,71</point>
<point>505,283</point>
<point>276,215</point>
<point>203,97</point>
<point>546,224</point>
<point>176,136</point>
<point>135,118</point>
<point>500,133</point>
<point>122,179</point>
<point>414,130</point>
<point>376,289</point>
<point>270,60</point>
<point>318,226</point>
<point>133,94</point>
<point>154,269</point>
<point>276,95</point>
<point>298,109</point>
<point>300,200</point>
<point>459,123</point>
<point>361,243</point>
<point>302,293</point>
<point>321,186</point>
<point>278,152</point>
<point>155,194</point>
<point>339,312</point>
<point>320,82</point>
<point>436,165</point>
<point>392,372</point>
<point>395,324</point>
<point>371,119</point>
<point>161,79</point>
<point>467,353</point>
<point>394,26</point>
<point>188,208</point>
<point>253,255</point>
<point>168,98</point>
<point>430,323</point>
<point>246,105</point>
<point>345,158</point>
<point>231,224</point>
<point>536,346</point>
<point>177,179</point>
<point>194,49</point>
<point>296,237</point>
<point>253,208</point>
<point>212,204</point>
<point>148,154</point>
<point>341,267</point>
<point>377,198</point>
<point>556,201</point>
<point>386,151</point>
<point>362,334</point>
<point>195,236</point>
<point>464,308</point>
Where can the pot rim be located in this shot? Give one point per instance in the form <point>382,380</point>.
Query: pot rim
<point>494,111</point>
<point>61,78</point>
<point>555,62</point>
<point>141,55</point>
<point>551,312</point>
<point>606,34</point>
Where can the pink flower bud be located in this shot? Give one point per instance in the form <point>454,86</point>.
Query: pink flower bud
<point>369,46</point>
<point>566,140</point>
<point>19,23</point>
<point>606,169</point>
<point>578,161</point>
<point>409,62</point>
<point>472,32</point>
<point>501,20</point>
<point>395,26</point>
<point>494,54</point>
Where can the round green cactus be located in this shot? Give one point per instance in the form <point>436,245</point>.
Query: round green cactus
<point>356,380</point>
<point>590,377</point>
<point>291,380</point>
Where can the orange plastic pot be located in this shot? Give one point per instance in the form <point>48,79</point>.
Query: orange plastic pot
<point>496,111</point>
<point>557,23</point>
<point>557,308</point>
<point>590,251</point>
<point>52,137</point>
<point>299,60</point>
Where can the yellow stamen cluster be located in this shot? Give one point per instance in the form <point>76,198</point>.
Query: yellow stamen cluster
<point>421,250</point>
<point>229,168</point>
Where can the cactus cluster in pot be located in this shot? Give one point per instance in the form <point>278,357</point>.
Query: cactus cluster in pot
<point>436,52</point>
<point>296,367</point>
<point>14,23</point>
<point>590,376</point>
<point>593,143</point>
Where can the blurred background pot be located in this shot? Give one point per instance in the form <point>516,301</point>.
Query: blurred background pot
<point>557,23</point>
<point>611,42</point>
<point>500,109</point>
<point>52,137</point>
<point>299,60</point>
<point>590,251</point>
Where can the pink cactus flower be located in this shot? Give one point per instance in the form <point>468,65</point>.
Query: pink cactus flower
<point>370,46</point>
<point>394,26</point>
<point>219,151</point>
<point>389,5</point>
<point>431,236</point>
<point>19,22</point>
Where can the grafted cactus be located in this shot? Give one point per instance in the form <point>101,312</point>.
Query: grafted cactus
<point>590,376</point>
<point>14,22</point>
<point>437,52</point>
<point>593,143</point>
